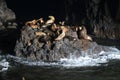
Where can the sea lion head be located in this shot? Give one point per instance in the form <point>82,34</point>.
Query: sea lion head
<point>65,29</point>
<point>50,21</point>
<point>80,27</point>
<point>41,20</point>
<point>33,22</point>
<point>52,18</point>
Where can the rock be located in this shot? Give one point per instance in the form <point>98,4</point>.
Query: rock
<point>14,24</point>
<point>7,16</point>
<point>1,23</point>
<point>9,23</point>
<point>5,12</point>
<point>2,28</point>
<point>11,27</point>
<point>46,48</point>
<point>8,28</point>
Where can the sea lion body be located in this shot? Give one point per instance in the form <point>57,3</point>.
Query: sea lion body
<point>82,32</point>
<point>51,20</point>
<point>62,35</point>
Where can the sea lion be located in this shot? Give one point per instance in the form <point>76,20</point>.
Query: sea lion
<point>32,24</point>
<point>62,35</point>
<point>41,20</point>
<point>62,23</point>
<point>51,20</point>
<point>82,33</point>
<point>54,27</point>
<point>40,34</point>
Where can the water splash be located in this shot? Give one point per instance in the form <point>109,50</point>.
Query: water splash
<point>72,61</point>
<point>4,64</point>
<point>102,57</point>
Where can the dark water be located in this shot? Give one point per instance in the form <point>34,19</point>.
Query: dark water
<point>107,71</point>
<point>111,71</point>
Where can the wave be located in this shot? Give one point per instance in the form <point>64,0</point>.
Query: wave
<point>4,64</point>
<point>72,61</point>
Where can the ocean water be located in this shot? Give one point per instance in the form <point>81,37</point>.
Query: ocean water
<point>103,57</point>
<point>106,66</point>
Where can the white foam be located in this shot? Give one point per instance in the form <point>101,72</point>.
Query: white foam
<point>103,57</point>
<point>4,65</point>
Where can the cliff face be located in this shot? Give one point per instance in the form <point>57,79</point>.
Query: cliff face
<point>101,17</point>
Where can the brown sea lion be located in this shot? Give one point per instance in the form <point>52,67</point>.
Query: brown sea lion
<point>51,20</point>
<point>62,35</point>
<point>82,33</point>
<point>40,34</point>
<point>32,24</point>
<point>54,27</point>
<point>41,20</point>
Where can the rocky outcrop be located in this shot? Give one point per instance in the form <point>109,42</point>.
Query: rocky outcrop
<point>45,46</point>
<point>5,12</point>
<point>8,27</point>
<point>7,16</point>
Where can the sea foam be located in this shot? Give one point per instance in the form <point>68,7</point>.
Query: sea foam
<point>4,64</point>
